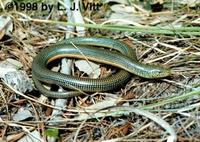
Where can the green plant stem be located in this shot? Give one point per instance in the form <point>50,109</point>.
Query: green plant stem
<point>173,99</point>
<point>195,31</point>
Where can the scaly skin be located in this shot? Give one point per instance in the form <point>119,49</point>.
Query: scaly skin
<point>125,60</point>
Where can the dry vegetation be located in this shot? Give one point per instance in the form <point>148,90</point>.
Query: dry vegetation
<point>174,99</point>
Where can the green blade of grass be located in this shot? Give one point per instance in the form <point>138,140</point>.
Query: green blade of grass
<point>173,99</point>
<point>195,31</point>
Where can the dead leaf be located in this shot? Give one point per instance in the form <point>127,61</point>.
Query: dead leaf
<point>123,8</point>
<point>90,68</point>
<point>31,137</point>
<point>22,115</point>
<point>9,71</point>
<point>6,26</point>
<point>120,130</point>
<point>130,95</point>
<point>125,19</point>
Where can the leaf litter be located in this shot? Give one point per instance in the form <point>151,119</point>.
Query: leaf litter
<point>105,121</point>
